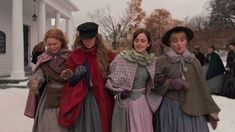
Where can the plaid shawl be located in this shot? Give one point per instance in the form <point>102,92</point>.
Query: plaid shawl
<point>121,77</point>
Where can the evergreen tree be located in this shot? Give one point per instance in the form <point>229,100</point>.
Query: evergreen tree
<point>222,13</point>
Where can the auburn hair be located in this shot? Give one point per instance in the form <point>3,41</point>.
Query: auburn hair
<point>57,34</point>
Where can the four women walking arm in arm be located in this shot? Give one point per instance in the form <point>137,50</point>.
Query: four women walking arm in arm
<point>168,94</point>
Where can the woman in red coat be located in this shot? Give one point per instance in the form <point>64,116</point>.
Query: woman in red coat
<point>86,105</point>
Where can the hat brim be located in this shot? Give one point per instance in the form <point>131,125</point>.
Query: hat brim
<point>87,35</point>
<point>189,33</point>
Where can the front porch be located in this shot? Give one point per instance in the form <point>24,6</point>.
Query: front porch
<point>49,14</point>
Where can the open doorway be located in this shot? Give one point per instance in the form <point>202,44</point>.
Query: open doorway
<point>26,30</point>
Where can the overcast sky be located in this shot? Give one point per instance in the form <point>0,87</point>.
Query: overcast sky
<point>179,9</point>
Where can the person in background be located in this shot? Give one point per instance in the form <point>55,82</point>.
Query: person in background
<point>229,77</point>
<point>187,104</point>
<point>37,50</point>
<point>86,106</point>
<point>215,70</point>
<point>131,78</point>
<point>231,57</point>
<point>47,76</point>
<point>200,56</point>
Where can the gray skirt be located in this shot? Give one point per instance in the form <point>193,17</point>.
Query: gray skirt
<point>215,84</point>
<point>46,119</point>
<point>170,118</point>
<point>89,119</point>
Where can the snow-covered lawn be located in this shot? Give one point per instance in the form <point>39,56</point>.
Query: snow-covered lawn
<point>12,119</point>
<point>227,114</point>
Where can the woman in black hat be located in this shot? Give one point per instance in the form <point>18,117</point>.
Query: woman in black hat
<point>187,104</point>
<point>86,106</point>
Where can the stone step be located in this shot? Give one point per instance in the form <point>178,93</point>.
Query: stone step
<point>13,83</point>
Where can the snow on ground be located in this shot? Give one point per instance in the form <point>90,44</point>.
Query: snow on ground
<point>227,114</point>
<point>12,117</point>
<point>13,100</point>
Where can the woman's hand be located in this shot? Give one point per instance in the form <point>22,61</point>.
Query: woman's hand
<point>178,84</point>
<point>160,79</point>
<point>125,94</point>
<point>213,119</point>
<point>79,73</point>
<point>66,74</point>
<point>34,86</point>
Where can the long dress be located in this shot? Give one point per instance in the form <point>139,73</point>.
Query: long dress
<point>135,108</point>
<point>46,118</point>
<point>138,110</point>
<point>87,106</point>
<point>89,119</point>
<point>229,77</point>
<point>133,114</point>
<point>214,73</point>
<point>183,110</point>
<point>170,118</point>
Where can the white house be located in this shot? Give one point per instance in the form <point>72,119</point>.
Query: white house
<point>19,32</point>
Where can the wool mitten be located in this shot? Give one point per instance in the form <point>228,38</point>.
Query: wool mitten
<point>178,84</point>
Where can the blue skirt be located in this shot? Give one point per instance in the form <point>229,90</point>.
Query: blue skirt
<point>170,118</point>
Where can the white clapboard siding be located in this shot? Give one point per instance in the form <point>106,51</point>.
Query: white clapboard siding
<point>5,26</point>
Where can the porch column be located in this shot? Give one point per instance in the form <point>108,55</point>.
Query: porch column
<point>41,20</point>
<point>48,23</point>
<point>69,33</point>
<point>17,40</point>
<point>57,20</point>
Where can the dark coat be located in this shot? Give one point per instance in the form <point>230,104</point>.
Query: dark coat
<point>35,56</point>
<point>215,67</point>
<point>231,61</point>
<point>201,57</point>
<point>37,51</point>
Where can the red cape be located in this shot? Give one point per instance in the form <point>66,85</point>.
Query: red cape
<point>73,97</point>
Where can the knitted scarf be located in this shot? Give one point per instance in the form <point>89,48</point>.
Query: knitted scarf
<point>135,57</point>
